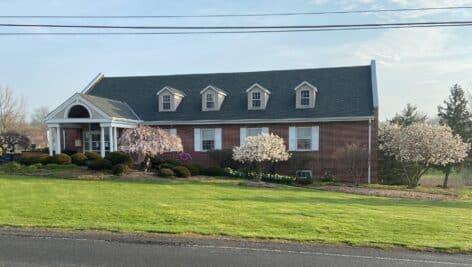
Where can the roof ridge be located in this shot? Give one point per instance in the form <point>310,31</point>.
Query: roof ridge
<point>237,72</point>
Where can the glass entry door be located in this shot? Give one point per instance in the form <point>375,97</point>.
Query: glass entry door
<point>92,141</point>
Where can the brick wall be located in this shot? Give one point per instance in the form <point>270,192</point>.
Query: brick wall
<point>333,135</point>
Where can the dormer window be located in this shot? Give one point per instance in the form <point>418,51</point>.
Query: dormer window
<point>210,101</point>
<point>257,97</point>
<point>166,102</point>
<point>169,99</point>
<point>212,98</point>
<point>305,95</point>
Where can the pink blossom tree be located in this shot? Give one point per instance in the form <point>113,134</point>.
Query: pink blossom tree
<point>420,146</point>
<point>144,142</point>
<point>261,149</point>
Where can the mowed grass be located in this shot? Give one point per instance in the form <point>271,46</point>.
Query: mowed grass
<point>221,207</point>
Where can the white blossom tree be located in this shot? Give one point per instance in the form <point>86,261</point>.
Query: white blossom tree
<point>421,146</point>
<point>261,149</point>
<point>144,142</point>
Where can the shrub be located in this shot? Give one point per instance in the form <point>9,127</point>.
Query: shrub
<point>224,158</point>
<point>155,162</point>
<point>79,159</point>
<point>10,167</point>
<point>328,178</point>
<point>278,179</point>
<point>213,171</point>
<point>69,152</point>
<point>182,171</point>
<point>193,168</point>
<point>119,158</point>
<point>172,162</point>
<point>120,169</point>
<point>165,172</point>
<point>184,157</point>
<point>61,159</point>
<point>304,180</point>
<point>99,164</point>
<point>31,160</point>
<point>166,166</point>
<point>92,155</point>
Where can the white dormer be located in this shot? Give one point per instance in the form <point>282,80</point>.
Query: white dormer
<point>257,97</point>
<point>169,99</point>
<point>212,98</point>
<point>305,95</point>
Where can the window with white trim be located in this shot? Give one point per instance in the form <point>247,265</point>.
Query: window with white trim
<point>208,139</point>
<point>210,101</point>
<point>256,100</point>
<point>303,138</point>
<point>253,131</point>
<point>303,173</point>
<point>166,102</point>
<point>305,97</point>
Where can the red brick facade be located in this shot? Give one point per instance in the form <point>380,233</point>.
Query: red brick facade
<point>332,136</point>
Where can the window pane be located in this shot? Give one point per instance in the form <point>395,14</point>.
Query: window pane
<point>305,98</point>
<point>304,133</point>
<point>208,144</point>
<point>166,102</point>
<point>256,103</point>
<point>303,143</point>
<point>256,95</point>
<point>210,103</point>
<point>253,131</point>
<point>208,134</point>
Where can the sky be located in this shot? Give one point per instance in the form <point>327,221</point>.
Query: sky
<point>415,66</point>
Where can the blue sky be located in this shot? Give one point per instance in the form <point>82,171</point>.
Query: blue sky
<point>414,65</point>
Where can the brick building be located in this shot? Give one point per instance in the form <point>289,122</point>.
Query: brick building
<point>316,111</point>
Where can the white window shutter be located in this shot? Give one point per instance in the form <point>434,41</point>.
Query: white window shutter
<point>173,132</point>
<point>292,138</point>
<point>242,136</point>
<point>315,138</point>
<point>197,139</point>
<point>265,130</point>
<point>218,138</point>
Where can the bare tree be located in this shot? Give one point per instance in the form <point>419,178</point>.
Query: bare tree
<point>12,115</point>
<point>353,157</point>
<point>37,128</point>
<point>38,116</point>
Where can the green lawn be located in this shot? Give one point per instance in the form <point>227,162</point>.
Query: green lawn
<point>221,207</point>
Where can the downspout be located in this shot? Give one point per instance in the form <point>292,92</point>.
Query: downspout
<point>369,159</point>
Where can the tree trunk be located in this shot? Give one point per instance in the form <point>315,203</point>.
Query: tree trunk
<point>446,177</point>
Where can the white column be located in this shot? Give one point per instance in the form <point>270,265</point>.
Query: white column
<point>90,137</point>
<point>58,140</point>
<point>110,137</point>
<point>102,141</point>
<point>115,138</point>
<point>50,142</point>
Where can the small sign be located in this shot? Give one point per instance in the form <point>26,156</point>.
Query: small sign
<point>78,142</point>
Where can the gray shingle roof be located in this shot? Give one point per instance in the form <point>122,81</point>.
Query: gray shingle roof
<point>113,108</point>
<point>342,92</point>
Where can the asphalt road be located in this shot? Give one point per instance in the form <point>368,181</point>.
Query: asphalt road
<point>44,248</point>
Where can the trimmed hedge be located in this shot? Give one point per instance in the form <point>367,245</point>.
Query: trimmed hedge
<point>119,158</point>
<point>193,168</point>
<point>165,172</point>
<point>120,169</point>
<point>182,171</point>
<point>79,159</point>
<point>213,171</point>
<point>61,159</point>
<point>99,165</point>
<point>166,166</point>
<point>92,155</point>
<point>31,160</point>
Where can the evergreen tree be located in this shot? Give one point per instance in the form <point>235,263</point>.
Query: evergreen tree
<point>408,116</point>
<point>455,114</point>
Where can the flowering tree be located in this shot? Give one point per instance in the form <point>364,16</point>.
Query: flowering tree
<point>10,140</point>
<point>420,146</point>
<point>145,141</point>
<point>260,149</point>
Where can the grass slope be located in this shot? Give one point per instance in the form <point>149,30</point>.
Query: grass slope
<point>220,207</point>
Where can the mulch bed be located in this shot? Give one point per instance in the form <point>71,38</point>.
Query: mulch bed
<point>387,192</point>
